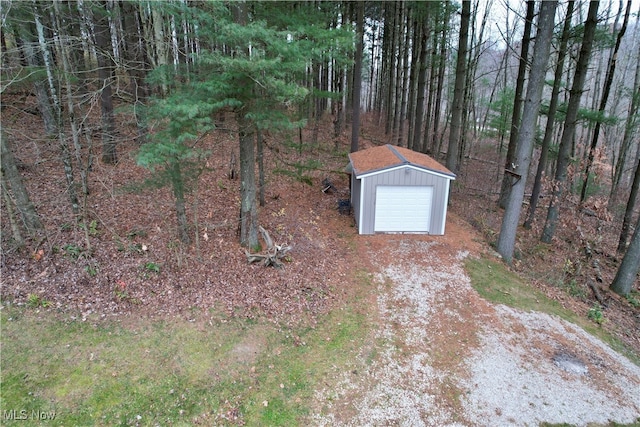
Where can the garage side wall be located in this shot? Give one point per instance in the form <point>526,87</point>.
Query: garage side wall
<point>403,176</point>
<point>356,185</point>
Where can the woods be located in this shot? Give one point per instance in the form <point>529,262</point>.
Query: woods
<point>455,81</point>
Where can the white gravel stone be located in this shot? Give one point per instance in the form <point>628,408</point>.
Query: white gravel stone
<point>512,378</point>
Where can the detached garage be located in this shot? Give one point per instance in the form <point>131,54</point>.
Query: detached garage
<point>397,190</point>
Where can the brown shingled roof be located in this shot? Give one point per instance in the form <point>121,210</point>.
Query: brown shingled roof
<point>388,156</point>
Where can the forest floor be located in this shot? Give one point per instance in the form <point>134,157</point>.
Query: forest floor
<point>132,262</point>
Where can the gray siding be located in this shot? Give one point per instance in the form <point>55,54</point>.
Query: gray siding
<point>355,198</point>
<point>402,176</point>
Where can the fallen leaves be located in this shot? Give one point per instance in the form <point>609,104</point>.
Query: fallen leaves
<point>38,254</point>
<point>139,229</point>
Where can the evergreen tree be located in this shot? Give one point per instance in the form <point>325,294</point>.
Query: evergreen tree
<point>171,154</point>
<point>249,68</point>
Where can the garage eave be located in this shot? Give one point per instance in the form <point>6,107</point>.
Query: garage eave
<point>403,166</point>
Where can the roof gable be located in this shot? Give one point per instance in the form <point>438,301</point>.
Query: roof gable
<point>390,156</point>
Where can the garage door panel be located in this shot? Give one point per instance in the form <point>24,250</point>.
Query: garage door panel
<point>403,208</point>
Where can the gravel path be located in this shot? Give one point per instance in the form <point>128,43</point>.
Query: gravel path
<point>446,357</point>
<point>534,368</point>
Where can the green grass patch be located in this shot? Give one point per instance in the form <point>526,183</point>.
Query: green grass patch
<point>496,283</point>
<point>215,371</point>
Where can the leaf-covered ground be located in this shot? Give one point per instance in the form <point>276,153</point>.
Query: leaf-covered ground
<point>135,263</point>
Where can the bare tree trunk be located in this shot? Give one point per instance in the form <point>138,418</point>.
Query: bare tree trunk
<point>339,120</point>
<point>553,107</point>
<point>422,81</point>
<point>458,91</point>
<point>34,59</point>
<point>10,173</point>
<point>63,44</point>
<point>628,213</point>
<point>246,135</point>
<point>427,140</point>
<point>508,37</point>
<point>501,71</point>
<point>571,119</point>
<point>137,65</point>
<point>260,145</point>
<point>105,73</point>
<point>608,81</point>
<point>378,101</point>
<point>186,45</point>
<point>402,50</point>
<point>413,81</point>
<point>628,271</point>
<point>8,203</point>
<point>159,43</point>
<point>629,128</point>
<point>476,46</point>
<point>405,81</point>
<point>175,50</point>
<point>517,103</point>
<point>84,58</point>
<point>324,102</point>
<point>391,58</point>
<point>84,163</point>
<point>526,134</point>
<point>177,184</point>
<point>57,107</point>
<point>371,101</point>
<point>4,60</point>
<point>248,208</point>
<point>357,77</point>
<point>437,140</point>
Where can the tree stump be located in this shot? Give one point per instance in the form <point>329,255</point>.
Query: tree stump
<point>273,255</point>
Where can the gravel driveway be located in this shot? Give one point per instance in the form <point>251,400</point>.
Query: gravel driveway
<point>443,356</point>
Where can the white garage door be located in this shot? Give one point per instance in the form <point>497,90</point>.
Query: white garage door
<point>403,208</point>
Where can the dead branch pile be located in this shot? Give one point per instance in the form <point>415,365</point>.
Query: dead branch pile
<point>274,254</point>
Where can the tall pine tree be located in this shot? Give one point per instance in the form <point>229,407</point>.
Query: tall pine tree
<point>246,67</point>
